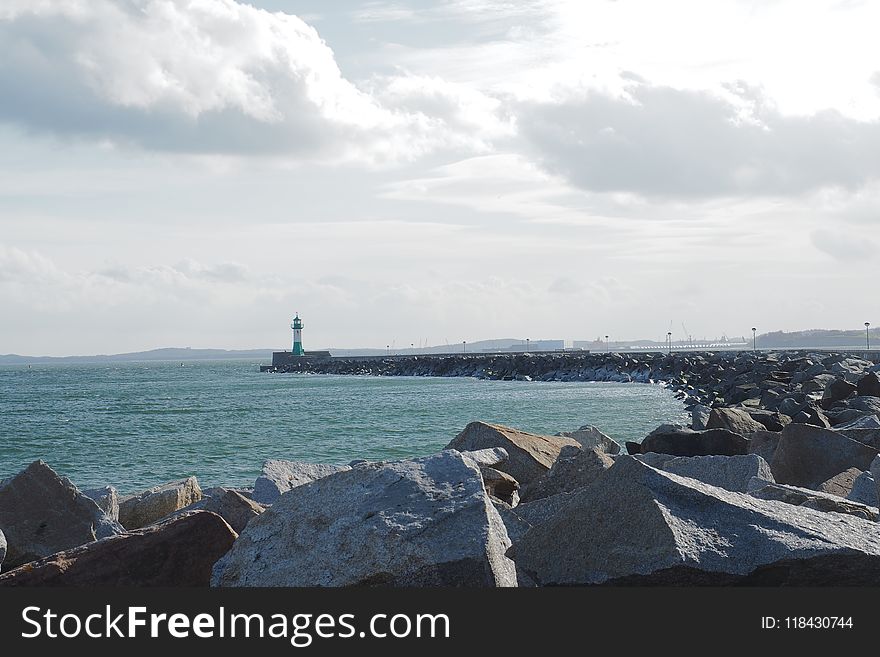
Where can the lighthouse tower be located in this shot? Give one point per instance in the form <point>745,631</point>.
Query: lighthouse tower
<point>297,326</point>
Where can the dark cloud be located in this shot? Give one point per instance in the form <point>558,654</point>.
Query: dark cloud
<point>668,142</point>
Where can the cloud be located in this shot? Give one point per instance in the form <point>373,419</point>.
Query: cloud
<point>195,76</point>
<point>661,141</point>
<point>844,247</point>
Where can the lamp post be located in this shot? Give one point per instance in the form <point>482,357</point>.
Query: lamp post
<point>754,339</point>
<point>387,349</point>
<point>527,345</point>
<point>669,340</point>
<point>607,347</point>
<point>867,336</point>
<point>464,346</point>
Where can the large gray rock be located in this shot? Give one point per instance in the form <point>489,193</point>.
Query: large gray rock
<point>728,472</point>
<point>867,404</point>
<point>807,456</point>
<point>529,455</point>
<point>869,437</point>
<point>837,390</point>
<point>419,522</point>
<point>864,490</point>
<point>2,549</point>
<point>523,517</point>
<point>280,476</point>
<point>764,443</point>
<point>42,513</point>
<point>734,420</point>
<point>862,421</point>
<point>590,437</point>
<point>812,499</point>
<point>711,442</point>
<point>175,552</point>
<point>636,520</point>
<point>575,468</point>
<point>155,503</point>
<point>656,460</point>
<point>107,498</point>
<point>236,509</point>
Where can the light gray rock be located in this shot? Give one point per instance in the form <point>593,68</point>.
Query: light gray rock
<point>107,498</point>
<point>529,455</point>
<point>487,458</point>
<point>861,422</point>
<point>812,499</point>
<point>280,476</point>
<point>807,455</point>
<point>589,437</point>
<point>841,484</point>
<point>236,509</point>
<point>155,503</point>
<point>638,520</point>
<point>864,490</point>
<point>418,522</point>
<point>575,468</point>
<point>2,549</point>
<point>42,513</point>
<point>734,420</point>
<point>700,417</point>
<point>728,472</point>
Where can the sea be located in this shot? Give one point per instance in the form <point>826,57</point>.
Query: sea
<point>135,425</point>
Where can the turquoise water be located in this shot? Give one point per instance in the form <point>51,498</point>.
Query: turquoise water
<point>134,425</point>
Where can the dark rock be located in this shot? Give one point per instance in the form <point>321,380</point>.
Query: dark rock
<point>837,390</point>
<point>841,484</point>
<point>696,443</point>
<point>632,447</point>
<point>807,456</point>
<point>177,552</point>
<point>42,513</point>
<point>868,385</point>
<point>530,456</point>
<point>500,485</point>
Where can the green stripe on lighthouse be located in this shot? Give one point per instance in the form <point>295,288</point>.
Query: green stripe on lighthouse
<point>297,326</point>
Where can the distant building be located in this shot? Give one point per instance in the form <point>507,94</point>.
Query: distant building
<point>541,345</point>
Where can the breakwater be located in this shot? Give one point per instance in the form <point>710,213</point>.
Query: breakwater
<point>757,379</point>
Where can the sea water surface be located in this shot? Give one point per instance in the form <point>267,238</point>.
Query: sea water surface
<point>135,425</point>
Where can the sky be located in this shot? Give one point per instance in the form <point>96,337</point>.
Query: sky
<point>193,172</point>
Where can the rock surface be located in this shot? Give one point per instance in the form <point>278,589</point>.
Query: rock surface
<point>2,549</point>
<point>807,456</point>
<point>732,473</point>
<point>637,520</point>
<point>811,499</point>
<point>42,513</point>
<point>530,456</point>
<point>841,484</point>
<point>589,437</point>
<point>419,522</point>
<point>575,468</point>
<point>107,498</point>
<point>236,509</point>
<point>734,420</point>
<point>173,553</point>
<point>158,502</point>
<point>864,490</point>
<point>280,476</point>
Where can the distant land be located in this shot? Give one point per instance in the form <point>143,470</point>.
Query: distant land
<point>808,339</point>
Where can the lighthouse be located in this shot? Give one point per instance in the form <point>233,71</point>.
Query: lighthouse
<point>297,326</point>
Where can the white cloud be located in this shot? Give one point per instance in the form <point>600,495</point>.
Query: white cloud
<point>197,76</point>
